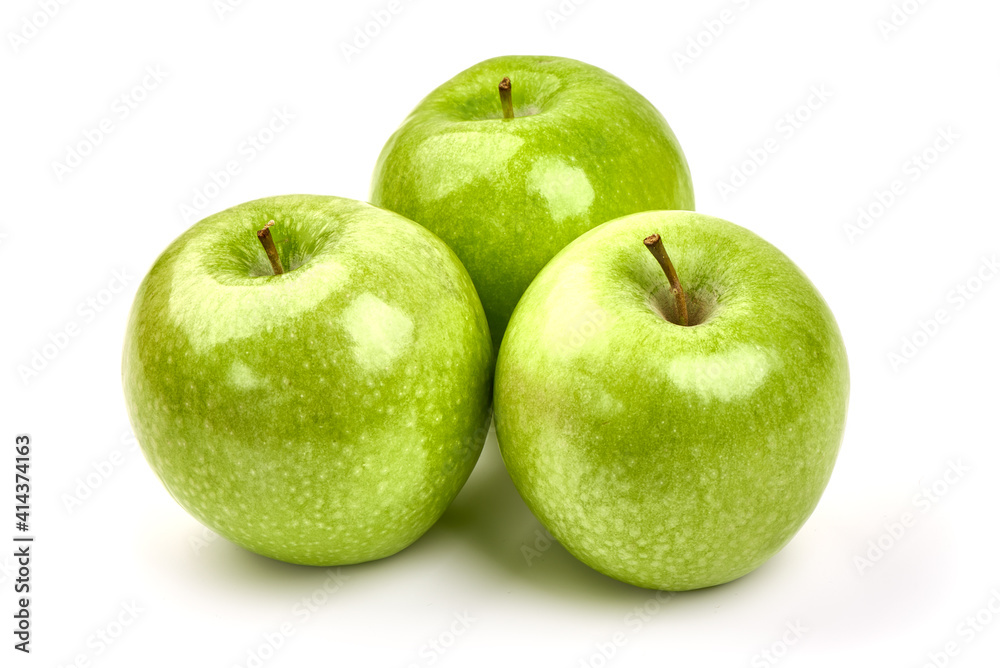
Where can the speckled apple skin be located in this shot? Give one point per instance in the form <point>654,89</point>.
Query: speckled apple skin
<point>507,195</point>
<point>325,416</point>
<point>671,457</point>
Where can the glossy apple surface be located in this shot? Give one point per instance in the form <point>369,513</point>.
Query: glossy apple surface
<point>507,195</point>
<point>666,456</point>
<point>327,415</point>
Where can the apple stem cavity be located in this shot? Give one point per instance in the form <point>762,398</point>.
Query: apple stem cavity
<point>272,253</point>
<point>506,100</point>
<point>655,246</point>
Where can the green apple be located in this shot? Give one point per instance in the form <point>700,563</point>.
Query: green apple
<point>671,456</point>
<point>508,193</point>
<point>327,415</point>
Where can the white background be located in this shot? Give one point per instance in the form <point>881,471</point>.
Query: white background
<point>62,240</point>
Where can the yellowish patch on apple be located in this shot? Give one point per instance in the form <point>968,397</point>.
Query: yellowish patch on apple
<point>243,377</point>
<point>565,188</point>
<point>723,376</point>
<point>573,320</point>
<point>452,161</point>
<point>380,332</point>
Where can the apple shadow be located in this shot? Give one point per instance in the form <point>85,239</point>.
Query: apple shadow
<point>222,566</point>
<point>240,563</point>
<point>491,519</point>
<point>487,528</point>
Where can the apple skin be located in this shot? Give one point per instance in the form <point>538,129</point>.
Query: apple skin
<point>671,457</point>
<point>325,416</point>
<point>507,195</point>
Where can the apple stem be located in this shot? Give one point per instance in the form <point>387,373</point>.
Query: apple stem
<point>268,243</point>
<point>655,246</point>
<point>506,101</point>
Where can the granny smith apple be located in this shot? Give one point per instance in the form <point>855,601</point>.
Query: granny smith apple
<point>666,455</point>
<point>324,415</point>
<point>580,147</point>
